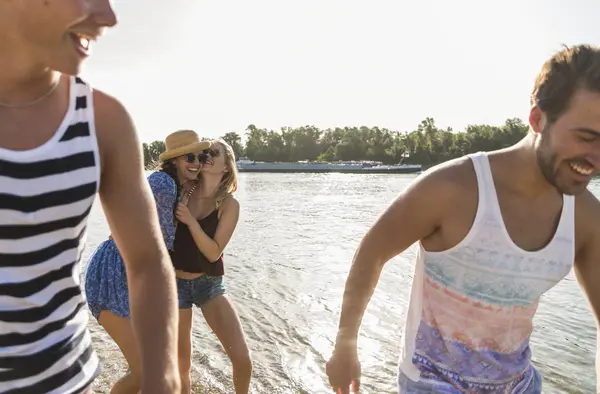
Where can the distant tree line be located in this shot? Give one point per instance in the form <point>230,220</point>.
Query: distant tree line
<point>426,145</point>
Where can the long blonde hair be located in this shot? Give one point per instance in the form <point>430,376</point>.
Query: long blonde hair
<point>229,182</point>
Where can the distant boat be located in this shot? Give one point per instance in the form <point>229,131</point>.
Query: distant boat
<point>355,167</point>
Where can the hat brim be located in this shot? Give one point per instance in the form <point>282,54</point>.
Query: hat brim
<point>196,147</point>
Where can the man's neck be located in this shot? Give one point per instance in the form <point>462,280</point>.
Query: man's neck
<point>520,161</point>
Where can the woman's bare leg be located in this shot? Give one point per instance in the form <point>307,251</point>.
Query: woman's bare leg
<point>223,320</point>
<point>184,351</point>
<point>119,328</point>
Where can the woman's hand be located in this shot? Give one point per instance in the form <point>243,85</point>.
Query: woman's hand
<point>184,215</point>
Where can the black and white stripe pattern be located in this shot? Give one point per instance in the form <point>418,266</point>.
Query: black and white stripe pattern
<point>45,198</point>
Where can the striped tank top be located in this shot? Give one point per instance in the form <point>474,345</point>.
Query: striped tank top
<point>471,309</point>
<point>46,194</point>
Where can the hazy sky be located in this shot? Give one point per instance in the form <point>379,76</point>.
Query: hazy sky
<point>218,66</point>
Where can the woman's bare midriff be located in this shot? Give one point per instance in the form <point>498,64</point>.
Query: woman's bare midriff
<point>188,275</point>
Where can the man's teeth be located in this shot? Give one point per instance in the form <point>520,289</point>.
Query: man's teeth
<point>583,170</point>
<point>84,41</point>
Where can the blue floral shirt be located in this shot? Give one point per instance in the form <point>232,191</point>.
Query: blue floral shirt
<point>164,190</point>
<point>106,276</point>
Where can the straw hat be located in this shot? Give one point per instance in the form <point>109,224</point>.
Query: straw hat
<point>182,142</point>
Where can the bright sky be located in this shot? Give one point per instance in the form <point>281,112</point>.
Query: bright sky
<point>217,66</point>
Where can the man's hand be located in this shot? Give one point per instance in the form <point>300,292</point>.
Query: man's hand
<point>343,369</point>
<point>130,210</point>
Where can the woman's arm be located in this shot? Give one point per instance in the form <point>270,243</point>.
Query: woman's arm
<point>164,190</point>
<point>211,248</point>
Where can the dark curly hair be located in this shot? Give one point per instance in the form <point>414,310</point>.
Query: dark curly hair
<point>169,168</point>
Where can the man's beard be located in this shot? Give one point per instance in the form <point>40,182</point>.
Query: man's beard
<point>546,159</point>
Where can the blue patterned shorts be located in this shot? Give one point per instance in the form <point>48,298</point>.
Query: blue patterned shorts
<point>106,281</point>
<point>199,291</point>
<point>407,386</point>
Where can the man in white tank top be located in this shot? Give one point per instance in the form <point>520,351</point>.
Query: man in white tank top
<point>60,143</point>
<point>494,231</point>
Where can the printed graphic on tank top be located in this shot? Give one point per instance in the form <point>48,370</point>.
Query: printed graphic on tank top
<point>46,194</point>
<point>471,307</point>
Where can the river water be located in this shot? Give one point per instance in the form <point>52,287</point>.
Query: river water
<point>285,271</point>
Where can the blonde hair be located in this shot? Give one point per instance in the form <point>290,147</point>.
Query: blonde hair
<point>229,182</point>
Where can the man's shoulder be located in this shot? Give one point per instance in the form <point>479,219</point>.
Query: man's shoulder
<point>587,209</point>
<point>453,175</point>
<point>587,206</point>
<point>587,217</point>
<point>444,188</point>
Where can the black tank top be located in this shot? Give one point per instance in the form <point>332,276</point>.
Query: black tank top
<point>187,257</point>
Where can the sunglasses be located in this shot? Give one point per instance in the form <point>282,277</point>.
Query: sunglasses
<point>202,156</point>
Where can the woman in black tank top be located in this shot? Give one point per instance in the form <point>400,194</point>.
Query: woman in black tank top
<point>207,218</point>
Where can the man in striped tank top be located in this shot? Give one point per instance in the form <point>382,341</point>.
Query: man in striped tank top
<point>60,143</point>
<point>495,231</point>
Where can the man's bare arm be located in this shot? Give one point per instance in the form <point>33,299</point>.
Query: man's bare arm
<point>413,216</point>
<point>131,213</point>
<point>587,261</point>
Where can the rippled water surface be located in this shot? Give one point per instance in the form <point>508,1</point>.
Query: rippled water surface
<point>285,271</point>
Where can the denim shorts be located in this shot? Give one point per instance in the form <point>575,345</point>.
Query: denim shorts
<point>199,291</point>
<point>407,386</point>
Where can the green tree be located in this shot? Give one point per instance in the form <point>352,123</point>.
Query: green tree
<point>427,145</point>
<point>235,141</point>
<point>151,153</point>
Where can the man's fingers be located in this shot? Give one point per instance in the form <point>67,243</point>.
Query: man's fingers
<point>338,387</point>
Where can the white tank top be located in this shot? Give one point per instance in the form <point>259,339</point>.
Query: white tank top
<point>46,195</point>
<point>471,307</point>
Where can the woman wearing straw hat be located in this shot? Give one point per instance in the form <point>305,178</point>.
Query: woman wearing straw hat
<point>106,281</point>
